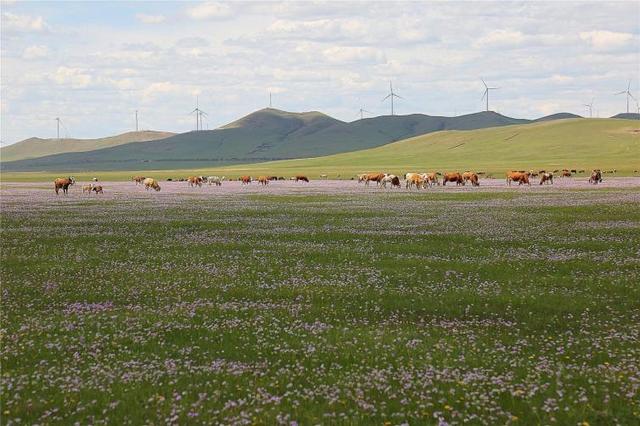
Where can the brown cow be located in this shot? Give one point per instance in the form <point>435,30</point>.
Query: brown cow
<point>87,188</point>
<point>63,183</point>
<point>98,189</point>
<point>565,173</point>
<point>263,180</point>
<point>246,180</point>
<point>302,178</point>
<point>453,177</point>
<point>546,178</point>
<point>414,179</point>
<point>194,181</point>
<point>596,177</point>
<point>373,177</point>
<point>395,182</point>
<point>151,183</point>
<point>471,177</point>
<point>138,179</point>
<point>432,179</point>
<point>519,177</point>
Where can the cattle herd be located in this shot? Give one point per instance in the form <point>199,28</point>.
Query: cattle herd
<point>384,180</point>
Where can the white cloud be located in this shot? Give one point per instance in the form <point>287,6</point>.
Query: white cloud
<point>501,38</point>
<point>22,23</point>
<point>163,87</point>
<point>209,10</point>
<point>150,19</point>
<point>74,77</point>
<point>343,54</point>
<point>603,40</point>
<point>35,52</point>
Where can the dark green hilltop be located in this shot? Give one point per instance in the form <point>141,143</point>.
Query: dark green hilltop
<point>265,135</point>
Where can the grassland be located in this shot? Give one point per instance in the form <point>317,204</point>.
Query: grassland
<point>581,144</point>
<point>379,308</point>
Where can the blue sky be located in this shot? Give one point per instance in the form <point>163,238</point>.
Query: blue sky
<point>94,63</point>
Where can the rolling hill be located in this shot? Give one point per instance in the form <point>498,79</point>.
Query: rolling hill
<point>572,143</point>
<point>264,135</point>
<point>37,147</point>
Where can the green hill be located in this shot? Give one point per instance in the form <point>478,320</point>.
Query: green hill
<point>264,135</point>
<point>37,147</point>
<point>572,143</point>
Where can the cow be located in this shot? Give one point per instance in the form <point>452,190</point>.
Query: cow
<point>362,178</point>
<point>532,173</point>
<point>63,183</point>
<point>414,179</point>
<point>95,179</point>
<point>520,177</point>
<point>87,188</point>
<point>324,177</point>
<point>471,177</point>
<point>138,179</point>
<point>565,173</point>
<point>596,177</point>
<point>194,181</point>
<point>373,177</point>
<point>546,178</point>
<point>302,178</point>
<point>246,180</point>
<point>263,180</point>
<point>151,183</point>
<point>395,182</point>
<point>98,189</point>
<point>453,177</point>
<point>388,179</point>
<point>215,180</point>
<point>432,179</point>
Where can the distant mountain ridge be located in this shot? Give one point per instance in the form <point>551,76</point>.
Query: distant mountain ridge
<point>265,135</point>
<point>38,147</point>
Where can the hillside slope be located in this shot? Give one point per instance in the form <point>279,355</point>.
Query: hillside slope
<point>37,147</point>
<point>265,135</point>
<point>571,143</point>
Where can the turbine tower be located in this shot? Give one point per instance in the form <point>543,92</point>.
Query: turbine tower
<point>590,108</point>
<point>391,95</point>
<point>199,113</point>
<point>58,127</point>
<point>486,92</point>
<point>270,105</point>
<point>362,111</point>
<point>628,93</point>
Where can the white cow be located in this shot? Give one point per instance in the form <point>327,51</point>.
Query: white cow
<point>216,180</point>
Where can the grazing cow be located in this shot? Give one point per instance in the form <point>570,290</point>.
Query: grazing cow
<point>414,179</point>
<point>194,181</point>
<point>519,177</point>
<point>532,173</point>
<point>453,177</point>
<point>246,180</point>
<point>216,180</point>
<point>395,182</point>
<point>596,177</point>
<point>432,179</point>
<point>565,173</point>
<point>151,183</point>
<point>546,178</point>
<point>281,178</point>
<point>138,179</point>
<point>389,179</point>
<point>87,188</point>
<point>471,177</point>
<point>272,177</point>
<point>302,178</point>
<point>263,180</point>
<point>63,183</point>
<point>574,171</point>
<point>98,189</point>
<point>373,177</point>
<point>362,178</point>
<point>324,177</point>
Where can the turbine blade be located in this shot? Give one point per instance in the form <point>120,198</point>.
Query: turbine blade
<point>484,94</point>
<point>631,96</point>
<point>398,96</point>
<point>620,93</point>
<point>386,97</point>
<point>485,84</point>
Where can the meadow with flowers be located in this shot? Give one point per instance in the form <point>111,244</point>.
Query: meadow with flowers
<point>328,303</point>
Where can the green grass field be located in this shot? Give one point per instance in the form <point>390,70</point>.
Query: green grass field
<point>378,308</point>
<point>581,144</point>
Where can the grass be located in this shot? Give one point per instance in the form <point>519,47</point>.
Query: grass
<point>581,144</point>
<point>363,308</point>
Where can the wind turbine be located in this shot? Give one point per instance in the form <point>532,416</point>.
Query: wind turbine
<point>391,95</point>
<point>199,113</point>
<point>486,92</point>
<point>628,93</point>
<point>590,108</point>
<point>58,127</point>
<point>362,111</point>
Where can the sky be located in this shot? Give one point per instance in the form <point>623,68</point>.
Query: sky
<point>93,64</point>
